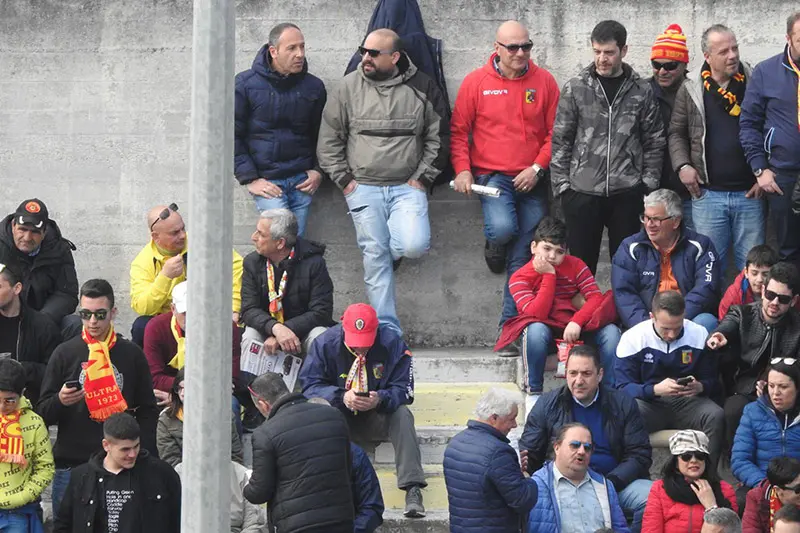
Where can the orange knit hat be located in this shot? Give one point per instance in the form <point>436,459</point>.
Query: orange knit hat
<point>671,45</point>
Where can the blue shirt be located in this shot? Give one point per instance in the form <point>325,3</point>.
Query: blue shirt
<point>578,505</point>
<point>603,460</point>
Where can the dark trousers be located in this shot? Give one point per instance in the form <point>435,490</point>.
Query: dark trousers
<point>785,223</point>
<point>137,330</point>
<point>734,407</point>
<point>587,215</point>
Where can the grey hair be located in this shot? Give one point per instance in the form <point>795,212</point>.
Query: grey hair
<point>276,32</point>
<point>722,516</point>
<point>498,402</point>
<point>283,225</point>
<point>716,28</point>
<point>669,199</point>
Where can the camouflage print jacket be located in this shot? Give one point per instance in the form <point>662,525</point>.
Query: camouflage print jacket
<point>603,149</point>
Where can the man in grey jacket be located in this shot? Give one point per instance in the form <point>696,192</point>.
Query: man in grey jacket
<point>384,138</point>
<point>608,144</point>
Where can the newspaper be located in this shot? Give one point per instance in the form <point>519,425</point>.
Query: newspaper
<point>255,361</point>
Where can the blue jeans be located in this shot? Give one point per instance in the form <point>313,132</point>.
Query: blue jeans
<point>786,223</point>
<point>19,520</point>
<point>538,342</point>
<point>729,218</point>
<point>687,215</point>
<point>510,220</point>
<point>59,488</point>
<point>707,320</point>
<point>633,500</point>
<point>296,201</point>
<point>391,222</point>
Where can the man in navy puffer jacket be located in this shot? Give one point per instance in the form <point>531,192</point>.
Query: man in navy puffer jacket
<point>278,113</point>
<point>485,486</point>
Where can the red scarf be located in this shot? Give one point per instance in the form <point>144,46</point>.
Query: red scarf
<point>103,397</point>
<point>12,445</point>
<point>774,506</point>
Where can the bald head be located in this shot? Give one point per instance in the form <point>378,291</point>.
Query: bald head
<point>380,53</point>
<point>513,48</point>
<point>512,31</point>
<point>167,228</point>
<point>386,37</point>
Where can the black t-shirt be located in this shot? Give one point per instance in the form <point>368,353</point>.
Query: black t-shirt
<point>727,166</point>
<point>611,86</point>
<point>9,333</point>
<point>120,512</point>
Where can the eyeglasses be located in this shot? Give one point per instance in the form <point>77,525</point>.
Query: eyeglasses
<point>575,444</point>
<point>373,52</point>
<point>514,48</point>
<point>644,219</point>
<point>688,456</point>
<point>783,299</point>
<point>255,394</point>
<point>785,360</point>
<point>164,215</point>
<point>669,66</point>
<point>86,314</point>
<point>8,401</point>
<point>795,489</point>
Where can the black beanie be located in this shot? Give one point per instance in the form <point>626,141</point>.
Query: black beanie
<point>12,376</point>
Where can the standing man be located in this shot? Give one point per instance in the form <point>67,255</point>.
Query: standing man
<point>608,145</point>
<point>501,129</point>
<point>770,135</point>
<point>705,150</point>
<point>278,111</point>
<point>384,138</point>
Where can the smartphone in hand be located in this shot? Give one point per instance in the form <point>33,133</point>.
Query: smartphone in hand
<point>684,381</point>
<point>73,384</point>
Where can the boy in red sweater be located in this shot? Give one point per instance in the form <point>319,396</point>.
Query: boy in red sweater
<point>557,297</point>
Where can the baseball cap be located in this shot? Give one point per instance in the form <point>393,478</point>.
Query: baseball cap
<point>179,296</point>
<point>688,440</point>
<point>32,212</point>
<point>360,325</point>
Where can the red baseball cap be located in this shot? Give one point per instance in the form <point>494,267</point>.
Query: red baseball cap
<point>360,325</point>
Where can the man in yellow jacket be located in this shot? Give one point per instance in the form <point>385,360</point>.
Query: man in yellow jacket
<point>162,264</point>
<point>26,457</point>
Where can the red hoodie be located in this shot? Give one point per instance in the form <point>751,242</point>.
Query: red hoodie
<point>511,121</point>
<point>739,293</point>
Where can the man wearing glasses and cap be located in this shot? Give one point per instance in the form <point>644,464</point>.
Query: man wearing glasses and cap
<point>162,264</point>
<point>33,242</point>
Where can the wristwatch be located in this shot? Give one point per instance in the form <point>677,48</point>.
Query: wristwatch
<point>540,172</point>
<point>757,173</point>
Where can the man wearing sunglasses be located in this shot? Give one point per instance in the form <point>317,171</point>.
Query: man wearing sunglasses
<point>384,138</point>
<point>780,489</point>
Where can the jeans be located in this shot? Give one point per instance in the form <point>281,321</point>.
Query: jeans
<point>707,320</point>
<point>21,519</point>
<point>137,330</point>
<point>728,218</point>
<point>59,488</point>
<point>786,223</point>
<point>296,201</point>
<point>687,215</point>
<point>633,500</point>
<point>511,220</point>
<point>538,342</point>
<point>391,222</point>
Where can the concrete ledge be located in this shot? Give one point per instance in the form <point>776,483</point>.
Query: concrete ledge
<point>434,522</point>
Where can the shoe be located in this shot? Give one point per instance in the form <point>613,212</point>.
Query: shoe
<point>495,255</point>
<point>510,350</point>
<point>414,507</point>
<point>396,264</point>
<point>530,401</point>
<point>561,371</point>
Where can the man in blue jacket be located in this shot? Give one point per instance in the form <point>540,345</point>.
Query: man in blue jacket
<point>770,136</point>
<point>665,256</point>
<point>486,488</point>
<point>621,451</point>
<point>278,113</point>
<point>365,370</point>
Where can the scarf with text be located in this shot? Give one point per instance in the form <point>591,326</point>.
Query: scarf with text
<point>730,98</point>
<point>796,71</point>
<point>12,445</point>
<point>178,361</point>
<point>357,376</point>
<point>103,397</point>
<point>276,296</point>
<point>774,506</point>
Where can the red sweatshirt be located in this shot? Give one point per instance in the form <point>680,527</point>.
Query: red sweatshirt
<point>511,121</point>
<point>739,293</point>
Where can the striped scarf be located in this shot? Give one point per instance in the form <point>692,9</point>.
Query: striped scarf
<point>357,376</point>
<point>276,296</point>
<point>12,445</point>
<point>774,506</point>
<point>731,98</point>
<point>103,397</point>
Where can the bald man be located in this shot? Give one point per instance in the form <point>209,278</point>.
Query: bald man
<point>501,128</point>
<point>161,265</point>
<point>384,138</point>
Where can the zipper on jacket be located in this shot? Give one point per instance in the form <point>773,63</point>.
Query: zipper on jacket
<point>610,116</point>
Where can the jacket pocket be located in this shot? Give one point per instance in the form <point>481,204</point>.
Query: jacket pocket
<point>387,148</point>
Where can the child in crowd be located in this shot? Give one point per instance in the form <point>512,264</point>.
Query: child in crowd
<point>557,297</point>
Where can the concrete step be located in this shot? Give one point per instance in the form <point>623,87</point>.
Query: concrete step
<point>434,522</point>
<point>450,404</point>
<point>434,495</point>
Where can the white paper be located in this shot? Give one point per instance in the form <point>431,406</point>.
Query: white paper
<point>255,361</point>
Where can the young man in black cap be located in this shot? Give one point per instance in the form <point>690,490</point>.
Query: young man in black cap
<point>32,241</point>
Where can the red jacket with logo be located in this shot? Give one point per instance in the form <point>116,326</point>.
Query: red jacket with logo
<point>511,120</point>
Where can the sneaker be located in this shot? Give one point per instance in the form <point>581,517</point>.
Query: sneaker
<point>495,255</point>
<point>510,350</point>
<point>561,370</point>
<point>530,401</point>
<point>396,263</point>
<point>414,507</point>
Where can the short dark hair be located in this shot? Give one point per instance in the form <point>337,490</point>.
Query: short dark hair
<point>791,20</point>
<point>98,288</point>
<point>790,371</point>
<point>175,403</point>
<point>11,274</point>
<point>785,273</point>
<point>783,470</point>
<point>670,301</point>
<point>551,230</point>
<point>762,255</point>
<point>276,32</point>
<point>270,387</point>
<point>121,426</point>
<point>12,376</point>
<point>586,350</point>
<point>789,514</point>
<point>562,431</point>
<point>610,30</point>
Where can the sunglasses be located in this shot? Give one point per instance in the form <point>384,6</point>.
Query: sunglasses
<point>688,456</point>
<point>86,314</point>
<point>785,360</point>
<point>669,66</point>
<point>575,444</point>
<point>783,299</point>
<point>514,48</point>
<point>372,52</point>
<point>796,489</point>
<point>164,215</point>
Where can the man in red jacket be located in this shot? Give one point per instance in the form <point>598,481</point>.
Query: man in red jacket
<point>500,137</point>
<point>780,489</point>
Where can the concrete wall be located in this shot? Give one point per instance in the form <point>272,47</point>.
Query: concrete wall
<point>94,119</point>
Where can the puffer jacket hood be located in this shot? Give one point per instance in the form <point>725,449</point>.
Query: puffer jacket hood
<point>53,248</point>
<point>262,64</point>
<point>406,70</point>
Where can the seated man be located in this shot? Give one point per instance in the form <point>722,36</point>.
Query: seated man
<point>161,265</point>
<point>665,256</point>
<point>573,498</point>
<point>32,241</point>
<point>26,335</point>
<point>662,363</point>
<point>365,370</point>
<point>751,335</point>
<point>747,286</point>
<point>780,489</point>
<point>721,520</point>
<point>621,450</point>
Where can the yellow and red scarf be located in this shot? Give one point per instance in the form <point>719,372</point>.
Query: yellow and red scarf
<point>177,362</point>
<point>357,376</point>
<point>276,296</point>
<point>12,445</point>
<point>103,397</point>
<point>731,97</point>
<point>774,506</point>
<point>796,71</point>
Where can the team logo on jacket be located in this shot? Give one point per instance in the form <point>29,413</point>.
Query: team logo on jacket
<point>377,370</point>
<point>648,358</point>
<point>686,357</point>
<point>530,95</point>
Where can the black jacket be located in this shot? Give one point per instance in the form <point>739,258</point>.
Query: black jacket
<point>79,437</point>
<point>49,280</point>
<point>38,337</point>
<point>622,423</point>
<point>308,297</point>
<point>302,467</point>
<point>669,178</point>
<point>157,494</point>
<point>750,338</point>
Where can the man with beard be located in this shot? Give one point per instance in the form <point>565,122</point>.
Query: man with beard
<point>383,140</point>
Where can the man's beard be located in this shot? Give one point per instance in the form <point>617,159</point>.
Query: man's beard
<point>379,75</point>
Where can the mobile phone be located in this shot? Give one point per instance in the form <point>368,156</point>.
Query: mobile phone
<point>73,384</point>
<point>363,394</point>
<point>684,381</point>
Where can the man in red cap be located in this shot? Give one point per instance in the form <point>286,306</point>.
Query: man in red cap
<point>365,370</point>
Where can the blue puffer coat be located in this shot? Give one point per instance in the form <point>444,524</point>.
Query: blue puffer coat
<point>485,486</point>
<point>277,121</point>
<point>761,436</point>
